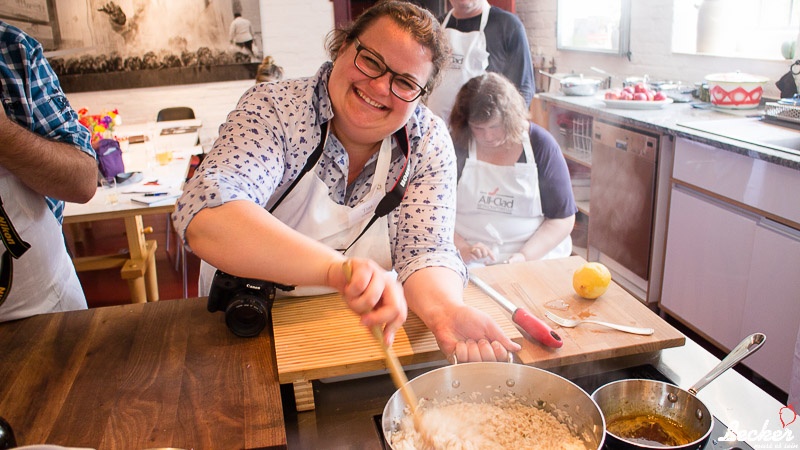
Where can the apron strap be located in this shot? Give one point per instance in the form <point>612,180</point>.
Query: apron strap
<point>15,248</point>
<point>310,163</point>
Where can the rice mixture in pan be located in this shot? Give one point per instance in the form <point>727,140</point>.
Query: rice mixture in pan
<point>505,423</point>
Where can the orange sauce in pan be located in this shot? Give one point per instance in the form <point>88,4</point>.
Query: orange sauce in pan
<point>653,430</point>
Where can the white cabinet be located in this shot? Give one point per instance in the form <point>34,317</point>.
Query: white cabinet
<point>707,265</point>
<point>728,270</point>
<point>773,300</point>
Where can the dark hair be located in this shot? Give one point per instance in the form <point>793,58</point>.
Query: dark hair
<point>236,14</point>
<point>268,71</point>
<point>484,98</point>
<point>418,22</point>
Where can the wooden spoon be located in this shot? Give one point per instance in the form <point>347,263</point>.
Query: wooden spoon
<point>395,370</point>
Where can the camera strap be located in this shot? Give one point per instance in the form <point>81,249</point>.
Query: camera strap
<point>15,247</point>
<point>392,199</point>
<point>389,202</point>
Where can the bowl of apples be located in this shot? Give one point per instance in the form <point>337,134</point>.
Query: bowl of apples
<point>639,96</point>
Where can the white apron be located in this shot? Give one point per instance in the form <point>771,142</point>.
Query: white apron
<point>309,210</point>
<point>44,278</point>
<point>469,58</point>
<point>501,206</point>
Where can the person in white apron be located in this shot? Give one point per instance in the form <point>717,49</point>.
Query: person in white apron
<point>468,58</point>
<point>499,214</point>
<point>309,210</point>
<point>43,277</point>
<point>369,92</point>
<point>45,154</point>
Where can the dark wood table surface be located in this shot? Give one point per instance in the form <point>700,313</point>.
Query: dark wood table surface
<point>140,376</point>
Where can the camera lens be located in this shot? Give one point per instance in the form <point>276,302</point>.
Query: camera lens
<point>246,315</point>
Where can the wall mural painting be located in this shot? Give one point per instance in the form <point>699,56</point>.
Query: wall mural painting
<point>137,43</point>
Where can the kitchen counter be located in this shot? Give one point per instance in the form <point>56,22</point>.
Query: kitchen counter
<point>148,375</point>
<point>346,408</point>
<point>666,120</point>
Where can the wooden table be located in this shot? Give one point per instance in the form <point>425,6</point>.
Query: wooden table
<point>318,337</point>
<point>140,376</point>
<point>138,268</point>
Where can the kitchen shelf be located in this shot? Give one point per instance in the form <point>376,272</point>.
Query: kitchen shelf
<point>577,157</point>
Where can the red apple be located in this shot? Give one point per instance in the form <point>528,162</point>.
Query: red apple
<point>660,96</point>
<point>640,88</point>
<point>612,95</point>
<point>626,95</point>
<point>640,96</point>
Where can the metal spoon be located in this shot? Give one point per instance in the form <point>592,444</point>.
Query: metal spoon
<point>570,323</point>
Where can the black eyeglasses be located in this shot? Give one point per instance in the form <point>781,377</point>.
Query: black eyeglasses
<point>371,64</point>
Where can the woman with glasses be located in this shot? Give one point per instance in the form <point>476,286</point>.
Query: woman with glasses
<point>515,200</point>
<point>378,194</point>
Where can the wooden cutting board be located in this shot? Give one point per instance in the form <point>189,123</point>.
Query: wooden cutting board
<point>543,286</point>
<point>319,337</point>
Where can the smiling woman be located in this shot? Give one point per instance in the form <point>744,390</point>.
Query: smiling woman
<point>345,165</point>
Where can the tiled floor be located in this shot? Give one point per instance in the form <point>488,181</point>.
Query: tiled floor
<point>106,287</point>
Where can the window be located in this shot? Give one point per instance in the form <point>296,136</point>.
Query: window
<point>594,25</point>
<point>753,29</point>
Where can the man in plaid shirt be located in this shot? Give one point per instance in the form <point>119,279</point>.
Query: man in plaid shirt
<point>45,159</point>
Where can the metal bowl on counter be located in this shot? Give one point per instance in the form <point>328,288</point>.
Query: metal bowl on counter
<point>484,381</point>
<point>576,85</point>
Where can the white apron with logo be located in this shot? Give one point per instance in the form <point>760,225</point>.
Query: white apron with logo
<point>309,210</point>
<point>44,278</point>
<point>501,206</point>
<point>469,58</point>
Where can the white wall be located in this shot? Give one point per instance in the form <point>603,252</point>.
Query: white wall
<point>294,33</point>
<point>651,28</point>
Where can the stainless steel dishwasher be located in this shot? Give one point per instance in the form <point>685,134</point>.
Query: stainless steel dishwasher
<point>623,184</point>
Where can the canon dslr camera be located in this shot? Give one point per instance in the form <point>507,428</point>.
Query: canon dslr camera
<point>246,302</point>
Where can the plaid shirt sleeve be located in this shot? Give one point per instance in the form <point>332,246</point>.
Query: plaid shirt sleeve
<point>32,95</point>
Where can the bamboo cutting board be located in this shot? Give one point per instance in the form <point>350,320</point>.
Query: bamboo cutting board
<point>319,337</point>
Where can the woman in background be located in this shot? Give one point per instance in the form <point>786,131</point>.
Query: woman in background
<point>515,200</point>
<point>268,71</point>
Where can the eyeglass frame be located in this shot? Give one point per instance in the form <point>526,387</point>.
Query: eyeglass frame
<point>361,47</point>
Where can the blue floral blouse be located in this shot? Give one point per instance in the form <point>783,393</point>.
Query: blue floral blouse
<point>267,139</point>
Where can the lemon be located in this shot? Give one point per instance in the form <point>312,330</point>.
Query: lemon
<point>591,280</point>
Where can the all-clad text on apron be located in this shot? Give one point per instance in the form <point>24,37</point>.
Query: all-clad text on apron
<point>469,58</point>
<point>361,229</point>
<point>501,206</point>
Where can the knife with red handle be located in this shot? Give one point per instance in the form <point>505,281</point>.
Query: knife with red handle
<point>532,325</point>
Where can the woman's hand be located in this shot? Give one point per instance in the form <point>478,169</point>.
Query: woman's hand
<point>471,335</point>
<point>515,258</point>
<point>477,252</point>
<point>371,292</point>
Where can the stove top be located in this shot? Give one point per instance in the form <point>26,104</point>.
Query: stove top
<point>591,382</point>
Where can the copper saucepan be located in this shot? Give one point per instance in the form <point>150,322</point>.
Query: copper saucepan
<point>648,414</point>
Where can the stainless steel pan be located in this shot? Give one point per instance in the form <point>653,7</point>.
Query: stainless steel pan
<point>660,415</point>
<point>489,380</point>
<point>576,85</point>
